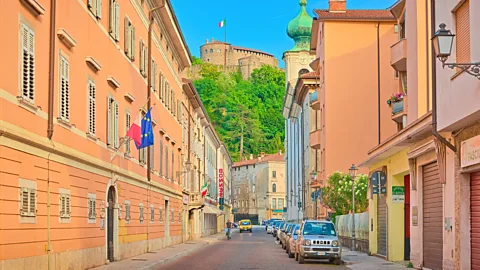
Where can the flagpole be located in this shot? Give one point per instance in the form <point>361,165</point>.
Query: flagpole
<point>225,61</point>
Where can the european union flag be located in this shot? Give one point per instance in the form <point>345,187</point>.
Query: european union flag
<point>147,131</point>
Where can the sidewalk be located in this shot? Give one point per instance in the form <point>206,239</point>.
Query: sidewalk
<point>361,261</point>
<point>154,259</point>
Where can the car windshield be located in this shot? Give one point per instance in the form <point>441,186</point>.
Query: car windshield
<point>297,227</point>
<point>292,228</point>
<point>245,222</point>
<point>319,228</point>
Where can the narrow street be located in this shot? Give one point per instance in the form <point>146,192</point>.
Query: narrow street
<point>249,251</point>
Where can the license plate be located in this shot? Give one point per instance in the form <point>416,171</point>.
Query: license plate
<point>320,253</point>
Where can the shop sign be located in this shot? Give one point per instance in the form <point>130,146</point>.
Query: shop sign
<point>220,187</point>
<point>414,215</point>
<point>398,194</point>
<point>470,151</point>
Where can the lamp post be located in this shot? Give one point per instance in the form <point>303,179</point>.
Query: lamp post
<point>353,173</point>
<point>442,43</point>
<point>299,202</point>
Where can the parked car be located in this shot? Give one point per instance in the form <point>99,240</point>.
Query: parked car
<point>245,225</point>
<point>317,239</point>
<point>276,227</point>
<point>270,227</point>
<point>292,240</point>
<point>288,234</point>
<point>270,221</point>
<point>283,234</point>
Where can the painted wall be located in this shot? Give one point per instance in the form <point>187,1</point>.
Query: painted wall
<point>351,106</point>
<point>460,92</point>
<point>397,168</point>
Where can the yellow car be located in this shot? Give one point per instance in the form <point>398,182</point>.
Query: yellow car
<point>245,225</point>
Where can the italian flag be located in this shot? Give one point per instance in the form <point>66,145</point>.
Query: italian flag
<point>135,131</point>
<point>222,23</point>
<point>204,189</point>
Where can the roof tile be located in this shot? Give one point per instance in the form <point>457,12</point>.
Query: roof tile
<point>356,14</point>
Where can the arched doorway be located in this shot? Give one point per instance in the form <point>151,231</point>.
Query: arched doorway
<point>110,223</point>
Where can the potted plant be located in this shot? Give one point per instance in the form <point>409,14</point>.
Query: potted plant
<point>395,98</point>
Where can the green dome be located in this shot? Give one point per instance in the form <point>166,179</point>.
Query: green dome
<point>300,29</point>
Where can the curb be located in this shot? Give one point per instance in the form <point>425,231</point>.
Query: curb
<point>172,258</point>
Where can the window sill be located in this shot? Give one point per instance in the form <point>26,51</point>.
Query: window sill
<point>65,219</point>
<point>64,123</point>
<point>92,221</point>
<point>35,7</point>
<point>127,156</point>
<point>27,104</point>
<point>92,137</point>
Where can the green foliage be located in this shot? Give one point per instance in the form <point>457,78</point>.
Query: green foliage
<point>196,61</point>
<point>247,114</point>
<point>410,265</point>
<point>337,195</point>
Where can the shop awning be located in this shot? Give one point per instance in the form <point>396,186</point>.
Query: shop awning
<point>212,210</point>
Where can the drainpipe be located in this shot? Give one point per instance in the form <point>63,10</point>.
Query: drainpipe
<point>51,92</point>
<point>434,89</point>
<point>378,81</point>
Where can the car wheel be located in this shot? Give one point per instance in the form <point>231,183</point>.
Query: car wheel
<point>290,254</point>
<point>301,259</point>
<point>338,261</point>
<point>331,260</point>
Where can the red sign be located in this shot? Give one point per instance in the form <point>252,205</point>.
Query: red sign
<point>220,183</point>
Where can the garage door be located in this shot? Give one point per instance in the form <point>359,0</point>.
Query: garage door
<point>382,225</point>
<point>432,217</point>
<point>475,220</point>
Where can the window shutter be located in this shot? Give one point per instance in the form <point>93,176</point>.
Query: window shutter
<point>173,164</point>
<point>112,18</point>
<point>24,210</point>
<point>33,202</point>
<point>67,205</point>
<point>94,203</point>
<point>99,9</point>
<point>142,63</point>
<point>127,42</point>
<point>155,74</point>
<point>132,43</point>
<point>28,63</point>
<point>161,157</point>
<point>91,107</point>
<point>117,21</point>
<point>166,161</point>
<point>127,127</point>
<point>160,87</point>
<point>64,89</point>
<point>152,156</point>
<point>146,64</point>
<point>116,138</point>
<point>109,119</point>
<point>463,33</point>
<point>90,4</point>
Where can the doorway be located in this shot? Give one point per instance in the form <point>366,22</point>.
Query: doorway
<point>110,223</point>
<point>406,212</point>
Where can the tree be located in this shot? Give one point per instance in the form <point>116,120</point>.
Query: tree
<point>337,195</point>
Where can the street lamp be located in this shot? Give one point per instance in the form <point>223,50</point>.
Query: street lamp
<point>353,173</point>
<point>442,43</point>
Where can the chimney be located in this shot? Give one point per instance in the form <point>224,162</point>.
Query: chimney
<point>337,5</point>
<point>251,156</point>
<point>206,41</point>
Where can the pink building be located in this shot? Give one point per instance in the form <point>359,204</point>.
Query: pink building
<point>72,194</point>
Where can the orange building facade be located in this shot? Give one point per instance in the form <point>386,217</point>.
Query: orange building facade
<point>73,193</point>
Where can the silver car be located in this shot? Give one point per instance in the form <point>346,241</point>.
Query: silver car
<point>317,239</point>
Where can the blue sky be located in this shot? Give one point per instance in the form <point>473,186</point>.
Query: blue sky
<point>257,24</point>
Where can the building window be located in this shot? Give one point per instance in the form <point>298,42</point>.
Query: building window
<point>152,157</point>
<point>274,203</point>
<point>395,28</point>
<point>91,88</point>
<point>161,87</point>
<point>274,174</point>
<point>64,89</point>
<point>141,216</point>
<point>114,27</point>
<point>95,6</point>
<point>112,123</point>
<point>211,50</point>
<point>154,75</point>
<point>127,211</point>
<point>206,51</point>
<point>180,216</point>
<point>92,212</point>
<point>280,203</point>
<point>129,39</point>
<point>152,213</point>
<point>142,156</point>
<point>28,64</point>
<point>64,204</point>
<point>143,59</point>
<point>160,214</point>
<point>173,216</point>
<point>274,187</point>
<point>166,161</point>
<point>127,127</point>
<point>28,202</point>
<point>161,157</point>
<point>462,16</point>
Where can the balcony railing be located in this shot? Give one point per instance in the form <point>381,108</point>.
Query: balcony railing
<point>398,55</point>
<point>195,200</point>
<point>314,101</point>
<point>315,139</point>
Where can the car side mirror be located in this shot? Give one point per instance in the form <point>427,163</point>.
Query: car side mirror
<point>297,232</point>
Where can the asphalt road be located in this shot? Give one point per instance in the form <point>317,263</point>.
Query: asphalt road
<point>245,251</point>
